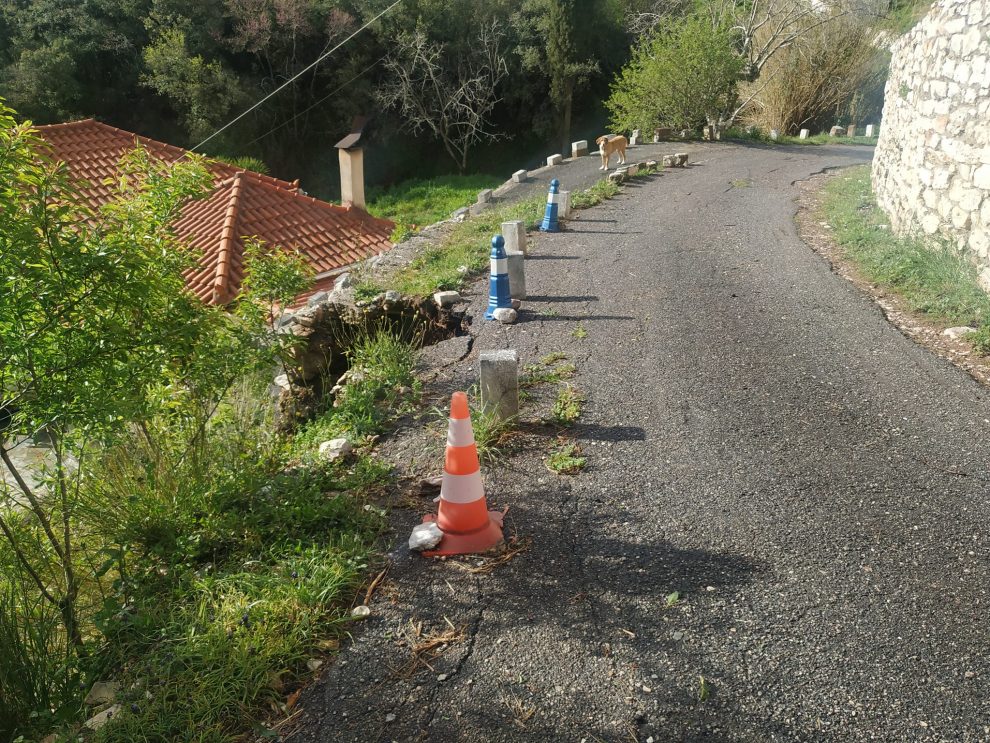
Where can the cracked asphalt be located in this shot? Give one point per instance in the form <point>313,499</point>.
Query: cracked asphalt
<point>760,439</point>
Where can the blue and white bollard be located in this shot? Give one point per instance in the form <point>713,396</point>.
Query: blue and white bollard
<point>498,282</point>
<point>550,223</point>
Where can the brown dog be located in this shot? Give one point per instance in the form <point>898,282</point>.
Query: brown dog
<point>607,145</point>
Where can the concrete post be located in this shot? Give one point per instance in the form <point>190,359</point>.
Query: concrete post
<point>805,133</point>
<point>500,383</point>
<point>517,274</point>
<point>774,134</point>
<point>520,176</point>
<point>580,148</point>
<point>869,130</point>
<point>555,160</point>
<point>851,130</point>
<point>515,236</point>
<point>565,204</point>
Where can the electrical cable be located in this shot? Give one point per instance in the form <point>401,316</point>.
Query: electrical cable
<point>295,77</point>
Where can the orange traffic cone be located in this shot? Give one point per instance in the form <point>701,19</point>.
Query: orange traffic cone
<point>463,516</point>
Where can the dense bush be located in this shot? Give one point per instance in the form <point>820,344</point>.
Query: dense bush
<point>682,76</point>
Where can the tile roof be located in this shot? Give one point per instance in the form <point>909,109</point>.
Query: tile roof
<point>243,204</point>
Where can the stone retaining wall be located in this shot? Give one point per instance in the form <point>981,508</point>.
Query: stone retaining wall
<point>931,172</point>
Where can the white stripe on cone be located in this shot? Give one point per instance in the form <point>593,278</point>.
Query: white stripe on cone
<point>459,432</point>
<point>553,198</point>
<point>462,488</point>
<point>500,265</point>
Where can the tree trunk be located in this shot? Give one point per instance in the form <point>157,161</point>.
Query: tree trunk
<point>565,123</point>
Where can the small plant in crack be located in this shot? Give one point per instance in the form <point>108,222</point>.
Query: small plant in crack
<point>704,689</point>
<point>579,332</point>
<point>672,598</point>
<point>546,372</point>
<point>567,407</point>
<point>567,460</point>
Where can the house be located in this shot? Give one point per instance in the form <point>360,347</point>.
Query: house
<point>242,204</point>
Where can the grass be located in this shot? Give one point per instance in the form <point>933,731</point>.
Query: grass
<point>757,135</point>
<point>567,460</point>
<point>210,580</point>
<point>567,407</point>
<point>601,191</point>
<point>580,332</point>
<point>463,253</point>
<point>550,369</point>
<point>933,277</point>
<point>417,203</point>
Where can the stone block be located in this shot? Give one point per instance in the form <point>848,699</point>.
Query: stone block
<point>662,133</point>
<point>580,148</point>
<point>616,177</point>
<point>514,234</point>
<point>500,383</point>
<point>564,204</point>
<point>774,134</point>
<point>682,159</point>
<point>836,131</point>
<point>851,130</point>
<point>632,169</point>
<point>669,161</point>
<point>635,138</point>
<point>485,196</point>
<point>555,160</point>
<point>869,130</point>
<point>446,299</point>
<point>805,133</point>
<point>520,176</point>
<point>516,265</point>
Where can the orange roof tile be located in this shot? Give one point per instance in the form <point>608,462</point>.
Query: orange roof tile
<point>243,204</point>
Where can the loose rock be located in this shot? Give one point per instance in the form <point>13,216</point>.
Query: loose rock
<point>361,612</point>
<point>958,332</point>
<point>97,721</point>
<point>425,536</point>
<point>335,449</point>
<point>103,692</point>
<point>446,299</point>
<point>505,315</point>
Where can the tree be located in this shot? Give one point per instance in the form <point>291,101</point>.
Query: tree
<point>451,99</point>
<point>683,77</point>
<point>567,69</point>
<point>98,337</point>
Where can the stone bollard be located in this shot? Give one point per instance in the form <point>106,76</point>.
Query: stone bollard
<point>774,134</point>
<point>682,159</point>
<point>632,169</point>
<point>515,236</point>
<point>669,161</point>
<point>500,383</point>
<point>516,263</point>
<point>485,196</point>
<point>836,131</point>
<point>578,149</point>
<point>615,177</point>
<point>869,130</point>
<point>565,204</point>
<point>851,130</point>
<point>555,160</point>
<point>804,134</point>
<point>520,176</point>
<point>634,139</point>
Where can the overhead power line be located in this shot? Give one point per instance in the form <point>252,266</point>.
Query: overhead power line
<point>296,76</point>
<point>306,111</point>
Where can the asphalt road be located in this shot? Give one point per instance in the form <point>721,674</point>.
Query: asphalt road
<point>760,440</point>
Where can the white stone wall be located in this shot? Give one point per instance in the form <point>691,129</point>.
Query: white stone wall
<point>931,172</point>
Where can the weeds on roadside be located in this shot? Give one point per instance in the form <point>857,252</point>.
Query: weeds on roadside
<point>580,332</point>
<point>934,278</point>
<point>546,373</point>
<point>601,191</point>
<point>567,407</point>
<point>567,460</point>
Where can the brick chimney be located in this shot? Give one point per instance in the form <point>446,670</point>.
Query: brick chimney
<point>352,165</point>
